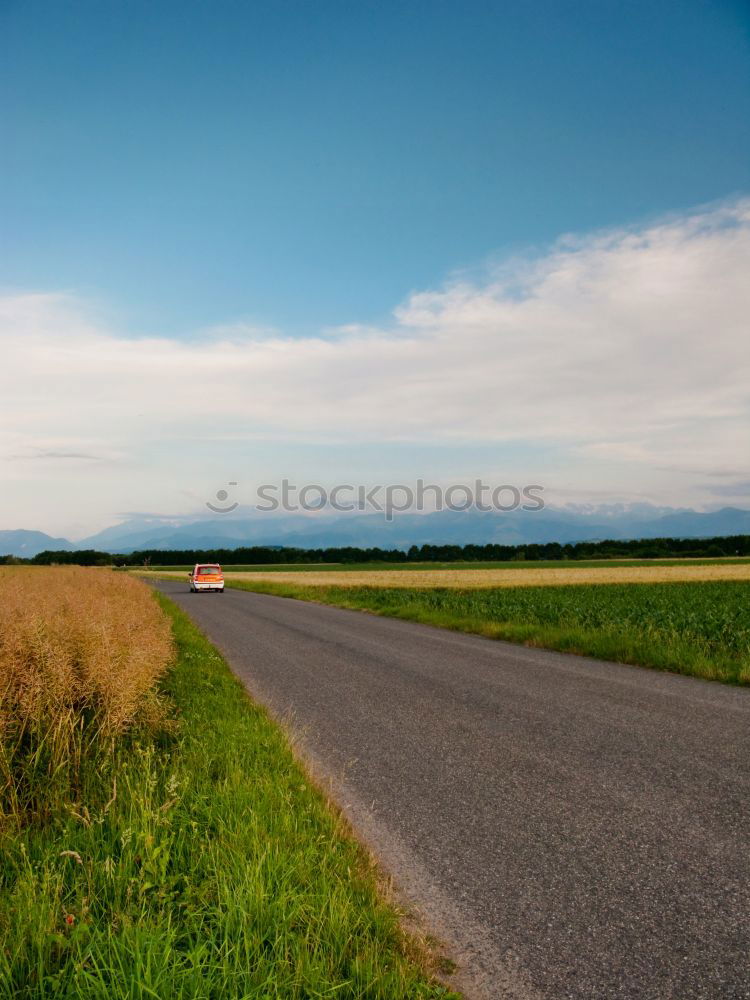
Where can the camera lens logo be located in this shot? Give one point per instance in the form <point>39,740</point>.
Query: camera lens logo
<point>222,496</point>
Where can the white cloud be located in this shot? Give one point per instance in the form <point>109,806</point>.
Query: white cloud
<point>629,346</point>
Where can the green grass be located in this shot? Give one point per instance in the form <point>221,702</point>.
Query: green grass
<point>214,869</point>
<point>701,629</point>
<point>519,564</point>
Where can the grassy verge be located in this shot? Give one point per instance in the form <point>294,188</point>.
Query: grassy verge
<point>700,629</point>
<point>212,870</point>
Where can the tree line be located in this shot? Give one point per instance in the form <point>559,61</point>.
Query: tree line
<point>650,548</point>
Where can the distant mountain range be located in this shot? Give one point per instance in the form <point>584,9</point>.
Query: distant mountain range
<point>249,527</point>
<point>28,543</point>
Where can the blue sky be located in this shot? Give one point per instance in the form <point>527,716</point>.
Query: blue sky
<point>309,164</point>
<point>390,239</point>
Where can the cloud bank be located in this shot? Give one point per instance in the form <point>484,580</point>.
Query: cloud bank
<point>628,346</point>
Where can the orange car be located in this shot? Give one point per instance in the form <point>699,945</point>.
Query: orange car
<point>206,576</point>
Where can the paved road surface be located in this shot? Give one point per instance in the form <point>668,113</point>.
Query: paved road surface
<point>573,828</point>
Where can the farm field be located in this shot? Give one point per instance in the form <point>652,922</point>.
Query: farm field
<point>699,627</point>
<point>532,576</point>
<point>157,836</point>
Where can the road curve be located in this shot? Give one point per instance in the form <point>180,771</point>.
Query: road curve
<point>572,828</point>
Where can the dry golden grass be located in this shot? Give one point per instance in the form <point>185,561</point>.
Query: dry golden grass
<point>80,653</point>
<point>463,578</point>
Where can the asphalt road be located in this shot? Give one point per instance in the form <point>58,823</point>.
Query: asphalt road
<point>572,828</point>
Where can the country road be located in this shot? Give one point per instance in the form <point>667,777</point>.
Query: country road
<point>571,828</point>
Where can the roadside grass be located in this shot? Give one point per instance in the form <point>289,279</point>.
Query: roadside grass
<point>699,629</point>
<point>214,869</point>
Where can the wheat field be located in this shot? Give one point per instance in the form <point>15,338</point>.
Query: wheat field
<point>484,578</point>
<point>80,653</point>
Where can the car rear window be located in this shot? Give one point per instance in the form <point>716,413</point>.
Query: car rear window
<point>209,569</point>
